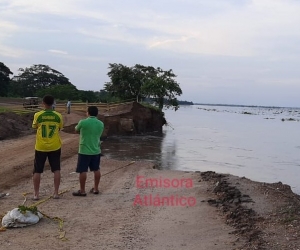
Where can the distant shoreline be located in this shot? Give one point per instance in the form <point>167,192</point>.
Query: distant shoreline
<point>240,105</point>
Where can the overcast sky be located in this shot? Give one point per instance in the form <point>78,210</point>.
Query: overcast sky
<point>222,51</point>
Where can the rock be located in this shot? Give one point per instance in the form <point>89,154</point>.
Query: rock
<point>2,195</point>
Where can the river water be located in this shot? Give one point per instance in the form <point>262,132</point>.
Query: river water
<point>245,141</point>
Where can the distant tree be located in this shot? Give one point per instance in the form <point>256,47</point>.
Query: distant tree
<point>62,92</point>
<point>143,81</point>
<point>106,97</point>
<point>88,95</point>
<point>31,80</point>
<point>185,102</point>
<point>4,79</point>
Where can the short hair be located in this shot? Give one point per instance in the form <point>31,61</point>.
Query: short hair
<point>48,100</point>
<point>92,110</point>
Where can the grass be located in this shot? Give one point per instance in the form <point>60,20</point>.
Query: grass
<point>147,105</point>
<point>17,111</point>
<point>3,109</point>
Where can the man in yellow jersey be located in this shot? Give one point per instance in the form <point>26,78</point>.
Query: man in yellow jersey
<point>48,143</point>
<point>89,153</point>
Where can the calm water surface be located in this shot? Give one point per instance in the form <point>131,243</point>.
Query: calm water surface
<point>243,141</point>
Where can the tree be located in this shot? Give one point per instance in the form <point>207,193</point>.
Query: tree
<point>163,88</point>
<point>62,92</point>
<point>88,95</point>
<point>143,81</point>
<point>104,96</point>
<point>123,84</point>
<point>4,79</point>
<point>37,77</point>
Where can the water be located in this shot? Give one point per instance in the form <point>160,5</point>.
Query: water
<point>244,141</point>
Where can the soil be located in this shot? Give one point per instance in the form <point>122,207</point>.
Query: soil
<point>230,212</point>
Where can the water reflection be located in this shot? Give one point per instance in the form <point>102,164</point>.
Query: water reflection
<point>148,148</point>
<point>168,157</point>
<point>159,149</point>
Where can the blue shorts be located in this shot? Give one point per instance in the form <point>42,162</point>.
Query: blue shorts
<point>88,161</point>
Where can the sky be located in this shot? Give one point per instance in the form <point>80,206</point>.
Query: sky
<point>222,51</point>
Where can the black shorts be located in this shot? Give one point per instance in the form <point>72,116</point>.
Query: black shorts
<point>88,161</point>
<point>40,159</point>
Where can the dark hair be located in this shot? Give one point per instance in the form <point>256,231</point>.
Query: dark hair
<point>48,100</point>
<point>93,110</point>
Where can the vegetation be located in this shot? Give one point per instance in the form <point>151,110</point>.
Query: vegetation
<point>185,103</point>
<point>148,105</point>
<point>23,209</point>
<point>126,83</point>
<point>35,78</point>
<point>4,79</point>
<point>3,109</point>
<point>143,81</point>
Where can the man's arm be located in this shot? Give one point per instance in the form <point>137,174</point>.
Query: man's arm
<point>78,127</point>
<point>61,124</point>
<point>34,123</point>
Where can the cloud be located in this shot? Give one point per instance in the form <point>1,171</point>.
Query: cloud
<point>7,31</point>
<point>168,41</point>
<point>58,51</point>
<point>231,28</point>
<point>7,28</point>
<point>6,51</point>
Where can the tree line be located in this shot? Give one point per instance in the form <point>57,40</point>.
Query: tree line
<point>138,82</point>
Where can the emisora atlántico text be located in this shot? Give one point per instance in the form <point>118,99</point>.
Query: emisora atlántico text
<point>156,200</point>
<point>143,182</point>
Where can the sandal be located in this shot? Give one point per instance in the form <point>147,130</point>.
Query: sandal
<point>78,193</point>
<point>92,191</point>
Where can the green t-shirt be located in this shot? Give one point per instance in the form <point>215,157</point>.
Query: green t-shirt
<point>90,132</point>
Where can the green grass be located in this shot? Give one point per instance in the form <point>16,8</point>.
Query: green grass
<point>2,109</point>
<point>17,111</point>
<point>147,105</point>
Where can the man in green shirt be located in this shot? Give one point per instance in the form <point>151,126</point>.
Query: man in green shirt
<point>89,153</point>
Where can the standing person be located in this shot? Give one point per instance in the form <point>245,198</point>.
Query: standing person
<point>89,153</point>
<point>69,106</point>
<point>48,144</point>
<point>54,105</point>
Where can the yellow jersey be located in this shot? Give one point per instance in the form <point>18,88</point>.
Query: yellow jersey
<point>48,124</point>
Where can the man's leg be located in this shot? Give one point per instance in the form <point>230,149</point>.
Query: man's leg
<point>97,176</point>
<point>39,162</point>
<point>36,185</point>
<point>54,160</point>
<point>82,169</point>
<point>56,183</point>
<point>82,181</point>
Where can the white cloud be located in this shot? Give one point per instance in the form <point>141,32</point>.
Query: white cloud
<point>228,29</point>
<point>58,51</point>
<point>11,52</point>
<point>7,30</point>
